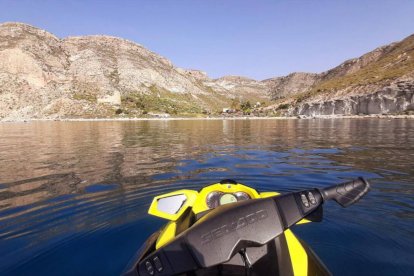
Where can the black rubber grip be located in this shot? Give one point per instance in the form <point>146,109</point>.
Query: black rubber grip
<point>346,193</point>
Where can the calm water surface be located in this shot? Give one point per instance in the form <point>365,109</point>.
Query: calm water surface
<point>74,195</point>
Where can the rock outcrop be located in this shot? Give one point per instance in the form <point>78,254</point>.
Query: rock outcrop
<point>239,88</point>
<point>291,85</point>
<point>393,99</point>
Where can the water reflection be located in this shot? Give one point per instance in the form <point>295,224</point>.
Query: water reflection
<point>63,184</point>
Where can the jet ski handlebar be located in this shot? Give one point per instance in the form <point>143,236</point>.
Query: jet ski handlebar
<point>226,230</point>
<point>346,193</point>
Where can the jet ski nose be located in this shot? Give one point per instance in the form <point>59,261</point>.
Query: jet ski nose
<point>228,181</point>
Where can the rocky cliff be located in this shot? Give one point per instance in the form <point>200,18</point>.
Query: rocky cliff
<point>396,98</point>
<point>379,82</point>
<point>292,84</point>
<point>43,76</point>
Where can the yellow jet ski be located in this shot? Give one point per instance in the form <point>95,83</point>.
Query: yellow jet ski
<point>228,228</point>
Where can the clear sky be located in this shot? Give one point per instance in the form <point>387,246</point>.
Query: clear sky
<point>253,38</point>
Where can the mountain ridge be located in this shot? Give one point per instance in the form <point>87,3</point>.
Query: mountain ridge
<point>98,75</point>
<point>43,76</point>
<point>378,82</point>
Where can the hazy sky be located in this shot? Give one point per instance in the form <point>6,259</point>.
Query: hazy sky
<point>258,39</point>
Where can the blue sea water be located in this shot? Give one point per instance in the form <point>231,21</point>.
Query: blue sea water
<point>74,195</point>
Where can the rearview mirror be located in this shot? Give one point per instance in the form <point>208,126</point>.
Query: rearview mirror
<point>172,205</point>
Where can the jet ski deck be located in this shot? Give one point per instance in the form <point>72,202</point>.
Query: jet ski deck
<point>228,228</point>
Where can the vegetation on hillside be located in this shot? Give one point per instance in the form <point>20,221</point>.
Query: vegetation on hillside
<point>397,62</point>
<point>161,101</point>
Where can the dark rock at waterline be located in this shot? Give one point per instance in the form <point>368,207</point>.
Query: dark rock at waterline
<point>396,98</point>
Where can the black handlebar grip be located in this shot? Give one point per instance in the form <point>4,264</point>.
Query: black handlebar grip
<point>346,193</point>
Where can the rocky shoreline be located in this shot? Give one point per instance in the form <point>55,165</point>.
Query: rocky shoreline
<point>395,98</point>
<point>300,117</point>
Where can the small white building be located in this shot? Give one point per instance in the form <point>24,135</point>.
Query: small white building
<point>258,104</point>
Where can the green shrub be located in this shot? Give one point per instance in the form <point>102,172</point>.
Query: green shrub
<point>283,106</point>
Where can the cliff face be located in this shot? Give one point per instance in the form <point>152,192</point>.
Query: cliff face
<point>42,76</point>
<point>31,64</point>
<point>397,97</point>
<point>292,84</point>
<point>379,82</point>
